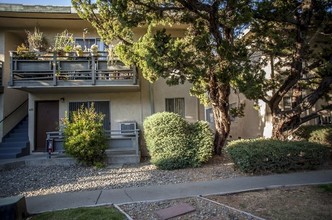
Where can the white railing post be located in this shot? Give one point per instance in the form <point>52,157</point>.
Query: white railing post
<point>93,70</point>
<point>11,78</point>
<point>54,69</point>
<point>135,75</point>
<point>136,142</point>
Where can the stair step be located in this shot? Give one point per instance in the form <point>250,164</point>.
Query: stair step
<point>10,155</point>
<point>123,159</point>
<point>18,151</point>
<point>14,144</point>
<point>121,152</point>
<point>18,134</point>
<point>16,139</point>
<point>20,130</point>
<point>9,150</point>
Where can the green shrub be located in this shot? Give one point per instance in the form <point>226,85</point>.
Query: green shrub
<point>201,141</point>
<point>264,155</point>
<point>316,133</point>
<point>173,143</point>
<point>84,136</point>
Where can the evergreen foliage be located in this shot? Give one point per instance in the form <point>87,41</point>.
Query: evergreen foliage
<point>316,133</point>
<point>84,136</point>
<point>216,54</point>
<point>291,41</point>
<point>208,53</point>
<point>264,156</point>
<point>173,143</point>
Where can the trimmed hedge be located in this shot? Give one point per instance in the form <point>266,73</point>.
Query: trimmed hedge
<point>316,133</point>
<point>265,155</point>
<point>173,143</point>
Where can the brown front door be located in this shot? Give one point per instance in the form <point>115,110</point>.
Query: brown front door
<point>47,119</point>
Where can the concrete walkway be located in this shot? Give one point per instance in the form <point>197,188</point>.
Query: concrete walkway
<point>117,196</point>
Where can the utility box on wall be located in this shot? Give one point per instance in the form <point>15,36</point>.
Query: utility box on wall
<point>128,127</point>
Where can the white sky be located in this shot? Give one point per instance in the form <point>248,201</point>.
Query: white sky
<point>38,2</point>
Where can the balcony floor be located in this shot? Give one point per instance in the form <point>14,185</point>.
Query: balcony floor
<point>75,86</point>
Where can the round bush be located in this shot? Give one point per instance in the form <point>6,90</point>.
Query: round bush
<point>173,143</point>
<point>201,142</point>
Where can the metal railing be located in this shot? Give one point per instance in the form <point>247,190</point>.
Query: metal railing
<point>1,73</point>
<point>130,139</point>
<point>24,104</point>
<point>54,68</point>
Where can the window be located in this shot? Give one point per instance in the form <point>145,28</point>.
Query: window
<point>100,107</point>
<point>175,105</point>
<point>88,42</point>
<point>209,115</point>
<point>287,103</point>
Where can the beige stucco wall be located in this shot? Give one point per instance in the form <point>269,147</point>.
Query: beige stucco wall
<point>11,98</point>
<point>124,106</point>
<point>193,109</point>
<point>255,122</point>
<point>2,59</point>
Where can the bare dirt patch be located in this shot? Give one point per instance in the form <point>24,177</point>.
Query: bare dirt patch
<point>305,202</point>
<point>204,209</point>
<point>309,202</point>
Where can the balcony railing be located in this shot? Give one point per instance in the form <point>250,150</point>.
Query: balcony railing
<point>50,70</point>
<point>116,140</point>
<point>1,77</point>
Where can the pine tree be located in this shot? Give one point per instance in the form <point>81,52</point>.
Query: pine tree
<point>210,54</point>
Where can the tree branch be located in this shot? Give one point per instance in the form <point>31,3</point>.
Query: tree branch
<point>158,8</point>
<point>314,114</point>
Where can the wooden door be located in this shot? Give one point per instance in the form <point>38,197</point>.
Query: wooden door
<point>47,119</point>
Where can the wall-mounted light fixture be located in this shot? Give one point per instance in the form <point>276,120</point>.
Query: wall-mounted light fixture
<point>62,99</point>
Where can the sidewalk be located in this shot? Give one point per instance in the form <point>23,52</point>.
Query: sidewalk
<point>162,192</point>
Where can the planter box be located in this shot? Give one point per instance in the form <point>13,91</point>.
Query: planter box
<point>33,65</point>
<point>79,65</point>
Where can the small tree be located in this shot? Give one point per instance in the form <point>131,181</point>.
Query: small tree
<point>84,136</point>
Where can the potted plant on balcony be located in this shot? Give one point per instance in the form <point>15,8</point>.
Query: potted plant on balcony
<point>64,42</point>
<point>94,50</point>
<point>68,49</point>
<point>23,53</point>
<point>79,51</point>
<point>36,41</point>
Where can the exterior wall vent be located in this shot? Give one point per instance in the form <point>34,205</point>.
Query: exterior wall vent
<point>128,127</point>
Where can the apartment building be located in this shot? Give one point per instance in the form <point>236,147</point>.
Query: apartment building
<point>39,88</point>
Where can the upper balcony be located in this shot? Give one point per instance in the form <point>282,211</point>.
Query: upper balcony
<point>50,72</point>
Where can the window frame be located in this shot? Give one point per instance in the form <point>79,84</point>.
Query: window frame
<point>102,46</point>
<point>174,110</point>
<point>107,118</point>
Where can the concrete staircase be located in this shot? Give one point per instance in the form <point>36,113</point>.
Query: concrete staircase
<point>122,156</point>
<point>16,143</point>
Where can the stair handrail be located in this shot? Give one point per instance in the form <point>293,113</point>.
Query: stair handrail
<point>1,73</point>
<point>12,112</point>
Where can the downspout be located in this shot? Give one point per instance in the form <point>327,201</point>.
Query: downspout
<point>151,97</point>
<point>198,110</point>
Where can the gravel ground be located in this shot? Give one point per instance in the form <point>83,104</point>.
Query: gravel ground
<point>43,180</point>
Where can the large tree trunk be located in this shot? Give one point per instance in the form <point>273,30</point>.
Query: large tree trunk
<point>278,124</point>
<point>219,95</point>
